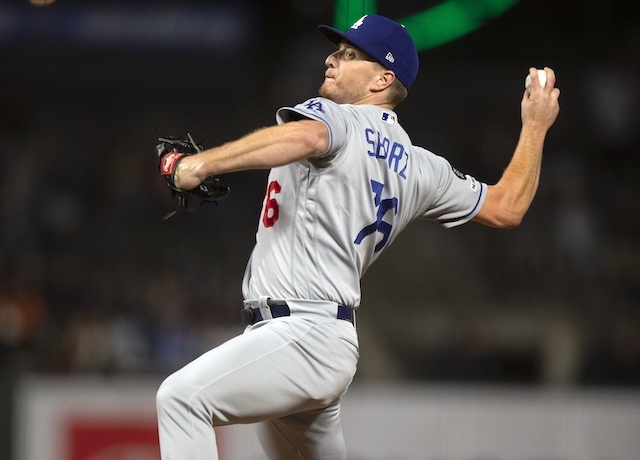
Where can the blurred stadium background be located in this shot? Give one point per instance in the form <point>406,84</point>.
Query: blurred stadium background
<point>94,283</point>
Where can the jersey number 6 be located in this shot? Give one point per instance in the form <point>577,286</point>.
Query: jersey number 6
<point>270,214</point>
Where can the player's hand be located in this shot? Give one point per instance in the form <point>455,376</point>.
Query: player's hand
<point>186,174</point>
<point>171,154</point>
<point>540,108</point>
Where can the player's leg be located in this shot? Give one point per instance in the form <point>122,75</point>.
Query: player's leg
<point>313,435</point>
<point>278,368</point>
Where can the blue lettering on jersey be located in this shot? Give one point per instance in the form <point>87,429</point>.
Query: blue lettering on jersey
<point>382,148</point>
<point>379,226</point>
<point>314,104</point>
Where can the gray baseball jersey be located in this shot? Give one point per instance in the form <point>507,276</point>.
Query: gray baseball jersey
<point>325,221</point>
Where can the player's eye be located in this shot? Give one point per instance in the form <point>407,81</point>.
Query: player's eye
<point>349,54</point>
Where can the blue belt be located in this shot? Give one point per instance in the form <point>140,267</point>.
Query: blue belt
<point>253,315</point>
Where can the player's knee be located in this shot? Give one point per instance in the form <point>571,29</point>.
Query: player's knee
<point>168,393</point>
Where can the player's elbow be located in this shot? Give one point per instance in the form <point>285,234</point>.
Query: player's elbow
<point>505,220</point>
<point>511,220</point>
<point>500,211</point>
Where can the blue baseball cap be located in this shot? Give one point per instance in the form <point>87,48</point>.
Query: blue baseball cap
<point>385,40</point>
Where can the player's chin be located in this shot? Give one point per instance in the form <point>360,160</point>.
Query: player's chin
<point>326,90</point>
<point>322,91</point>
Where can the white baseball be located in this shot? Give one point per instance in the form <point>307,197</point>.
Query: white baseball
<point>542,78</point>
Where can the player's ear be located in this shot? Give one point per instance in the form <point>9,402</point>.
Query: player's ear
<point>384,79</point>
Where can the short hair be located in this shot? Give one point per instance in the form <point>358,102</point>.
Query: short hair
<point>397,92</point>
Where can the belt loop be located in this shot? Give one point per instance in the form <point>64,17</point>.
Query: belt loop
<point>265,309</point>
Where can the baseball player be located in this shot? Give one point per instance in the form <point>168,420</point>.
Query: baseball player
<point>344,180</point>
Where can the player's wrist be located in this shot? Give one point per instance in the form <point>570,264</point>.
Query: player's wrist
<point>532,129</point>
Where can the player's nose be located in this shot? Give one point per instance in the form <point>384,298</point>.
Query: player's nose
<point>330,61</point>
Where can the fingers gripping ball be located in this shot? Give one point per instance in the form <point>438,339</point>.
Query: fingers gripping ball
<point>542,78</point>
<point>169,153</point>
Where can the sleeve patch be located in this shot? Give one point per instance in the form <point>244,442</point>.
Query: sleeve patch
<point>459,174</point>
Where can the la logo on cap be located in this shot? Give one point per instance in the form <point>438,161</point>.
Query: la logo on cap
<point>359,22</point>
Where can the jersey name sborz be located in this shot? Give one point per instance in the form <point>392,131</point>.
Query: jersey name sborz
<point>385,149</point>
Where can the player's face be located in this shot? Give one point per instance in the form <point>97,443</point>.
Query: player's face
<point>350,72</point>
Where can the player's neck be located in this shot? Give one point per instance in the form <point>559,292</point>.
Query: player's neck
<point>376,99</point>
<point>382,105</point>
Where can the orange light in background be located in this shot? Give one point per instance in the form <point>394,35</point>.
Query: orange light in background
<point>41,2</point>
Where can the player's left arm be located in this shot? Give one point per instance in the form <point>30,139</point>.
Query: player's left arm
<point>263,149</point>
<point>508,201</point>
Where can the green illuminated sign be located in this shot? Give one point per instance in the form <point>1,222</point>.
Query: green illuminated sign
<point>434,26</point>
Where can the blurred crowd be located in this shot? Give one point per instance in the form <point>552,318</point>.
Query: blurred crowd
<point>87,285</point>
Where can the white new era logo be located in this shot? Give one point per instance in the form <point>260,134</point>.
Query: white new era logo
<point>389,57</point>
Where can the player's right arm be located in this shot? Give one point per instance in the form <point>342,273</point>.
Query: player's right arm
<point>263,149</point>
<point>508,201</point>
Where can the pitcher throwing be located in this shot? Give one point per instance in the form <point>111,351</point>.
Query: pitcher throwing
<point>345,180</point>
